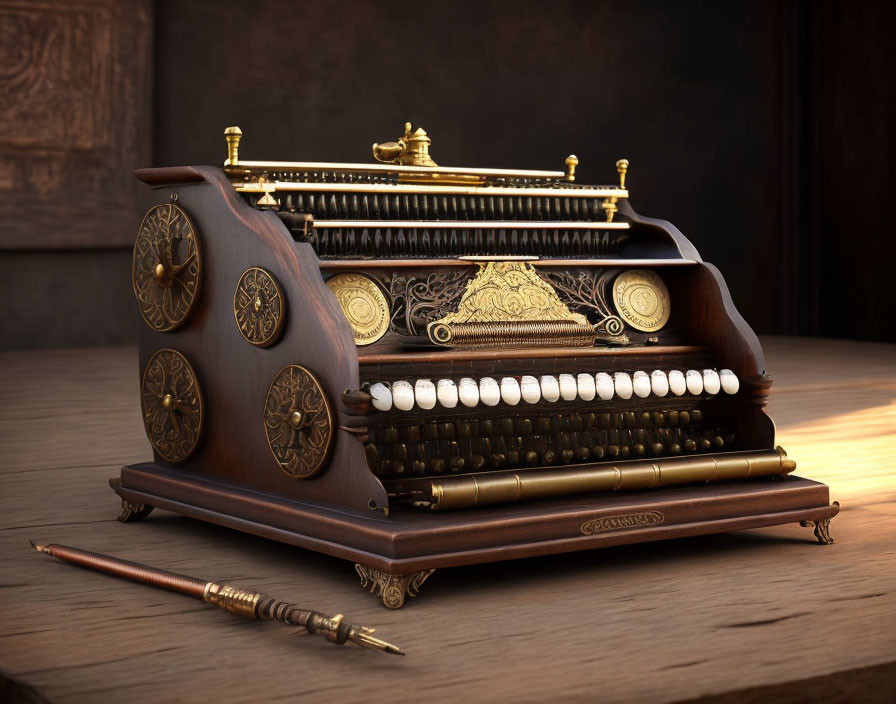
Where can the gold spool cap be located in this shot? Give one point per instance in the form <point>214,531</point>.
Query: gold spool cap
<point>363,304</point>
<point>642,299</point>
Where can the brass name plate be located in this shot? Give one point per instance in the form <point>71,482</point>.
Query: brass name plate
<point>626,520</point>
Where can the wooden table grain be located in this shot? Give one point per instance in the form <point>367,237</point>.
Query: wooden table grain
<point>753,616</point>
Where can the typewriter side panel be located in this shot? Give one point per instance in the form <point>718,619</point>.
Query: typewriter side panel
<point>707,316</point>
<point>234,375</point>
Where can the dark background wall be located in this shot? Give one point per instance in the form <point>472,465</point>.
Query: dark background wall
<point>761,129</point>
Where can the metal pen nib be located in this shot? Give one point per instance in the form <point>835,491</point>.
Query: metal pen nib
<point>239,601</point>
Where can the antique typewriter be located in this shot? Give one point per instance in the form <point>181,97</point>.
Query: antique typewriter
<point>413,366</point>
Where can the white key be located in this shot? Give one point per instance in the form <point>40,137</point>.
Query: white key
<point>568,389</point>
<point>468,391</point>
<point>403,395</point>
<point>510,391</point>
<point>530,390</point>
<point>446,391</point>
<point>622,383</point>
<point>381,396</point>
<point>659,382</point>
<point>585,387</point>
<point>729,381</point>
<point>489,392</point>
<point>604,386</point>
<point>694,381</point>
<point>641,384</point>
<point>677,383</point>
<point>550,389</point>
<point>711,383</point>
<point>425,394</point>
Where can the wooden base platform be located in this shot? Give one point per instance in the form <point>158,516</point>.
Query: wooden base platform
<point>396,553</point>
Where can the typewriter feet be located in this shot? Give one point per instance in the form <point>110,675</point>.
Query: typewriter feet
<point>822,528</point>
<point>131,512</point>
<point>391,588</point>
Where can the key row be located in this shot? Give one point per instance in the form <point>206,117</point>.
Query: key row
<point>469,392</point>
<point>508,452</point>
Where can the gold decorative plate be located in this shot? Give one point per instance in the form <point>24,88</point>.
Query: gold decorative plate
<point>642,299</point>
<point>171,401</point>
<point>363,305</point>
<point>259,307</point>
<point>167,268</point>
<point>298,422</point>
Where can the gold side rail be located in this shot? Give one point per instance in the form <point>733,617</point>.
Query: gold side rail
<point>529,485</point>
<point>471,225</point>
<point>430,172</point>
<point>264,186</point>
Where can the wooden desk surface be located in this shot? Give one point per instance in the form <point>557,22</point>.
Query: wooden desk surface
<point>736,617</point>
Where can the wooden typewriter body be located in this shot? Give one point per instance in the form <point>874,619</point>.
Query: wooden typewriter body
<point>413,367</point>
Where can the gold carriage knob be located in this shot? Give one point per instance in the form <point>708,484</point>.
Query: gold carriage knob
<point>233,135</point>
<point>411,149</point>
<point>295,419</point>
<point>572,161</point>
<point>622,168</point>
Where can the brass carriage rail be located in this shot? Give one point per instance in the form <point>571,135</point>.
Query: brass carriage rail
<point>472,224</point>
<point>264,186</point>
<point>428,172</point>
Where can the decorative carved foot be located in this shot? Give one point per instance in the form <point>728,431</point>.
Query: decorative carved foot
<point>391,588</point>
<point>822,530</point>
<point>133,512</point>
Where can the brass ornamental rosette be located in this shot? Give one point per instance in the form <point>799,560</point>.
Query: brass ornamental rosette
<point>167,267</point>
<point>298,422</point>
<point>259,307</point>
<point>363,304</point>
<point>642,299</point>
<point>171,401</point>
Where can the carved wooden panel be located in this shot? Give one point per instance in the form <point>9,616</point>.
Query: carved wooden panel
<point>75,105</point>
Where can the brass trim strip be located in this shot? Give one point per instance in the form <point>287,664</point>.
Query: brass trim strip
<point>450,355</point>
<point>583,192</point>
<point>327,264</point>
<point>472,224</point>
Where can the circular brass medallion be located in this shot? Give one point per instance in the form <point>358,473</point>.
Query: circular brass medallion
<point>259,307</point>
<point>363,305</point>
<point>298,422</point>
<point>172,405</point>
<point>167,269</point>
<point>642,299</point>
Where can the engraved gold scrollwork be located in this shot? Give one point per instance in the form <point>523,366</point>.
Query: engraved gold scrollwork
<point>507,303</point>
<point>363,304</point>
<point>391,588</point>
<point>510,291</point>
<point>167,267</point>
<point>171,401</point>
<point>298,422</point>
<point>642,299</point>
<point>259,307</point>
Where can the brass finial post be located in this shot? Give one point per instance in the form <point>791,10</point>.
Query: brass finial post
<point>622,168</point>
<point>572,161</point>
<point>233,135</point>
